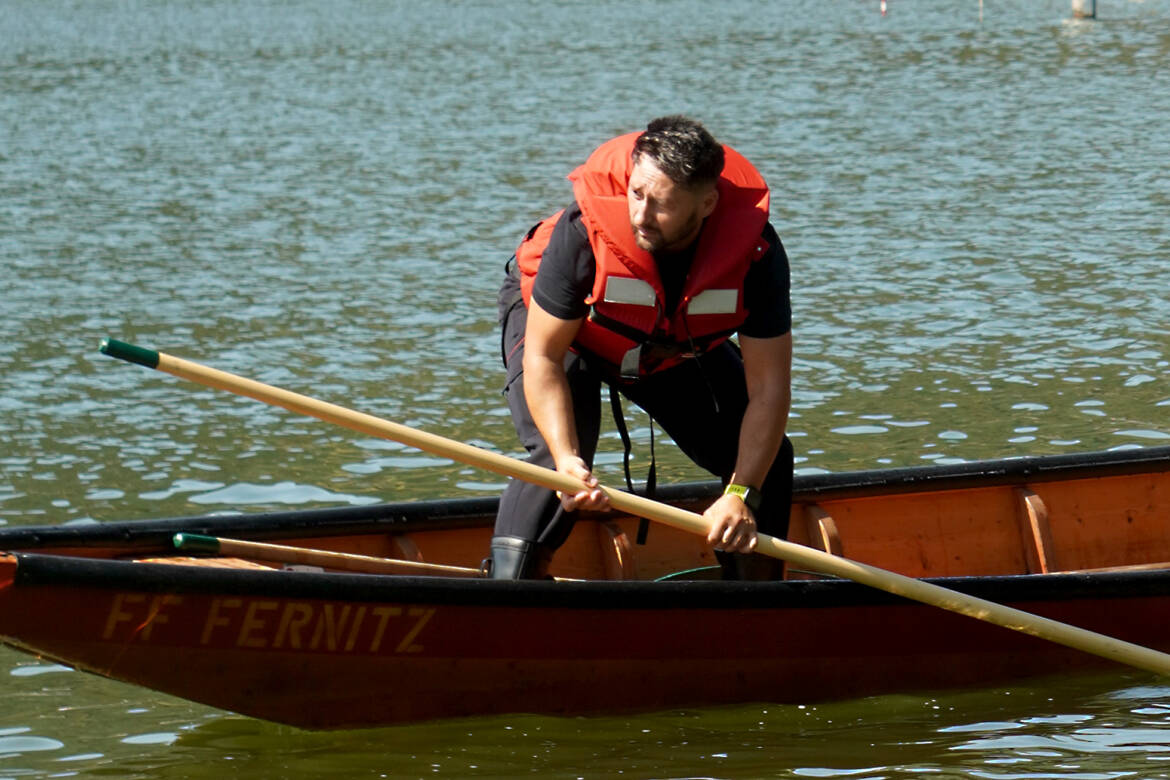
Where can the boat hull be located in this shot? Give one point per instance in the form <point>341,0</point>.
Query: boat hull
<point>341,651</point>
<point>1082,539</point>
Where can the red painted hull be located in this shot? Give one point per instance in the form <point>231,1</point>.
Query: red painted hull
<point>337,650</point>
<point>364,661</point>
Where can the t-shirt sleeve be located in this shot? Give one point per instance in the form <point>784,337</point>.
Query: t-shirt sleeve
<point>567,268</point>
<point>767,292</point>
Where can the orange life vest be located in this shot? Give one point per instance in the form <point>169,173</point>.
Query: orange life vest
<point>627,325</point>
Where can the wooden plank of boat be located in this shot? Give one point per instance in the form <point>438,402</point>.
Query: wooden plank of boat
<point>332,650</point>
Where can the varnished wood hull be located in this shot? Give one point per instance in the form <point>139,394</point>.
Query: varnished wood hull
<point>334,650</point>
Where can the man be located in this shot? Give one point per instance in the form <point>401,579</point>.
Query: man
<point>665,253</point>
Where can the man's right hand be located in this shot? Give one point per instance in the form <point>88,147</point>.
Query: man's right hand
<point>590,497</point>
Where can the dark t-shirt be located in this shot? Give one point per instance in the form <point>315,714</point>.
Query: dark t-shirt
<point>567,270</point>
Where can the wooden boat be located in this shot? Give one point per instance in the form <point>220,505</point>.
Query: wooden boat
<point>1083,539</point>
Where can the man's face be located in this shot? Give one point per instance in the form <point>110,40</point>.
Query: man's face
<point>663,215</point>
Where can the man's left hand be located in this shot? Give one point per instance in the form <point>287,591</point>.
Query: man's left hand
<point>733,527</point>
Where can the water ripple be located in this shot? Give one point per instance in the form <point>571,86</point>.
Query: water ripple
<point>322,196</point>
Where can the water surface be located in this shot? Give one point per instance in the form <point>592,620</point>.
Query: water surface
<point>322,196</point>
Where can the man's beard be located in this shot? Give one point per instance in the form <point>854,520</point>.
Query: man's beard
<point>656,241</point>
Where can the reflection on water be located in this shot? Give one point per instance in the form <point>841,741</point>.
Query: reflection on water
<point>1080,728</point>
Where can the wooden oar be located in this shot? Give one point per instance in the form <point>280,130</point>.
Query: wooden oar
<point>326,559</point>
<point>900,585</point>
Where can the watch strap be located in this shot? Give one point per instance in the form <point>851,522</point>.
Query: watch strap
<point>748,494</point>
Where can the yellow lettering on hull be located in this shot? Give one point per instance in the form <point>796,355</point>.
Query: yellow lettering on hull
<point>267,624</point>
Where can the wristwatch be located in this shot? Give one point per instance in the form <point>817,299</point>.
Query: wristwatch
<point>749,495</point>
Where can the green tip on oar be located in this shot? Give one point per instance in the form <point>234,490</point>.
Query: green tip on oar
<point>196,543</point>
<point>130,353</point>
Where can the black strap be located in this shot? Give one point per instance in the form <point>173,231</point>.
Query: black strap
<point>619,420</point>
<point>658,342</point>
<point>516,299</point>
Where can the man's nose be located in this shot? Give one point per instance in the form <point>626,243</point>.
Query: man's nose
<point>641,214</point>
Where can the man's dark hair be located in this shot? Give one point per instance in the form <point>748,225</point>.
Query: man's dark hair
<point>681,148</point>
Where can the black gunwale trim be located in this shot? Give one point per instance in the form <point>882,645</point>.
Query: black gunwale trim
<point>35,570</point>
<point>407,516</point>
<point>398,517</point>
<point>983,473</point>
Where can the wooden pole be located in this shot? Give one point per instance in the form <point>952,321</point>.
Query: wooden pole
<point>326,559</point>
<point>805,557</point>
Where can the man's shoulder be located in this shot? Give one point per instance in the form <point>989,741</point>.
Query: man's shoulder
<point>571,217</point>
<point>767,291</point>
<point>567,268</point>
<point>776,253</point>
<point>570,236</point>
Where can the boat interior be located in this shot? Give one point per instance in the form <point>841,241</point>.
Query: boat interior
<point>1099,512</point>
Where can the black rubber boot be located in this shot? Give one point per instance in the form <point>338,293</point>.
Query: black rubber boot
<point>514,558</point>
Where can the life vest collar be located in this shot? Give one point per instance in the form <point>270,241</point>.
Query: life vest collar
<point>627,326</point>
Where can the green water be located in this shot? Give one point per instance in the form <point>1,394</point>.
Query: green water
<point>1091,727</point>
<point>321,196</point>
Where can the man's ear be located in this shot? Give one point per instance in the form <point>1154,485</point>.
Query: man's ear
<point>709,201</point>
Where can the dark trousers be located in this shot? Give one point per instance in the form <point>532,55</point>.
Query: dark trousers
<point>699,404</point>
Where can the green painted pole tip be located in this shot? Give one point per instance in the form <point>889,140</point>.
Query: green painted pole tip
<point>130,353</point>
<point>196,543</point>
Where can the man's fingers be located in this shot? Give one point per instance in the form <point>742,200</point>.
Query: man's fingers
<point>732,536</point>
<point>592,500</point>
